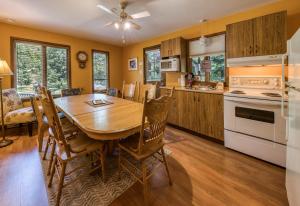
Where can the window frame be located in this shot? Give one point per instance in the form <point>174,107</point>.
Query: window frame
<point>226,70</point>
<point>158,46</point>
<point>107,67</point>
<point>44,45</point>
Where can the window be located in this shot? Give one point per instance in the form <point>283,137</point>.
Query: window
<point>100,70</point>
<point>211,50</point>
<point>42,63</point>
<point>152,64</point>
<point>217,73</point>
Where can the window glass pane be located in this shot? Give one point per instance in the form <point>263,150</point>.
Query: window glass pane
<point>57,69</point>
<point>100,65</point>
<point>217,73</point>
<point>196,67</point>
<point>28,67</point>
<point>153,72</point>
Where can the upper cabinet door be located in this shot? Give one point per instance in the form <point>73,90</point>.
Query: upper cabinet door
<point>164,49</point>
<point>239,39</point>
<point>270,34</point>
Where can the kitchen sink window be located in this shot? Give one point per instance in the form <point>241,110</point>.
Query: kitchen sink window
<point>152,64</point>
<point>217,72</point>
<point>212,51</point>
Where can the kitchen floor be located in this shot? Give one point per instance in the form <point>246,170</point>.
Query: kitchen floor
<point>203,173</point>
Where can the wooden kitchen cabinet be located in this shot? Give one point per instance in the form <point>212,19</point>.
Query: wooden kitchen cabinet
<point>173,47</point>
<point>265,35</point>
<point>270,34</point>
<point>199,112</point>
<point>239,39</point>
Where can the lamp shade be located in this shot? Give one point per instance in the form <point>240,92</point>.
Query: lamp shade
<point>4,68</point>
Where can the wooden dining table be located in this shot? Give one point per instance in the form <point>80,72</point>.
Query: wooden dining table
<point>118,119</point>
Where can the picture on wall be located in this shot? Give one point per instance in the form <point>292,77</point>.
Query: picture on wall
<point>133,64</point>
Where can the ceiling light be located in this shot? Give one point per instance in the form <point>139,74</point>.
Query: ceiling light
<point>117,25</point>
<point>127,25</point>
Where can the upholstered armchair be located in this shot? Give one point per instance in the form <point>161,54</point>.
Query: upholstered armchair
<point>14,110</point>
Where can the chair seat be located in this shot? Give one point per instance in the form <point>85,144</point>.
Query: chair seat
<point>23,115</point>
<point>81,144</point>
<point>130,145</point>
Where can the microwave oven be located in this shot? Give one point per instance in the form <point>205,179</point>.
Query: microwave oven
<point>170,65</point>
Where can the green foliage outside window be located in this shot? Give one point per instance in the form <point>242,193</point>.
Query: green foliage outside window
<point>153,65</point>
<point>29,68</point>
<point>100,65</point>
<point>57,72</point>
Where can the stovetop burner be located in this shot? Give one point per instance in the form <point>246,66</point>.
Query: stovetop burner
<point>270,94</point>
<point>237,92</point>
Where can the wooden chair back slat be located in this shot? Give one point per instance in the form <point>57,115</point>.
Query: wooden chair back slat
<point>128,90</point>
<point>152,90</point>
<point>38,113</point>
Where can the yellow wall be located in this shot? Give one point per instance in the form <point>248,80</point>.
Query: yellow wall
<point>79,77</point>
<point>213,26</point>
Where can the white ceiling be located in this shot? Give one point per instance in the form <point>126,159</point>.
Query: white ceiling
<point>82,18</point>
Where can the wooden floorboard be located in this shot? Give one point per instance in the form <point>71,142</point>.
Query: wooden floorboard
<point>203,173</point>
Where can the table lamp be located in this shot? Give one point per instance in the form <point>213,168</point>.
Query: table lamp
<point>4,71</point>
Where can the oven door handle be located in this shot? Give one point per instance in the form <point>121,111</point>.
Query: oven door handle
<point>270,105</point>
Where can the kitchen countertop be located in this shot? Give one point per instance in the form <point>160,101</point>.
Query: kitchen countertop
<point>196,90</point>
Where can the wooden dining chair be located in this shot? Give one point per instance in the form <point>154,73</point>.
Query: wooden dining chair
<point>70,149</point>
<point>42,122</point>
<point>151,88</point>
<point>147,144</point>
<point>69,130</point>
<point>128,91</point>
<point>112,92</point>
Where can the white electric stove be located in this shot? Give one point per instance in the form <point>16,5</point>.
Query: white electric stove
<point>252,117</point>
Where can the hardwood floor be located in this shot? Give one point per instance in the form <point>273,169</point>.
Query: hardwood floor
<point>203,173</point>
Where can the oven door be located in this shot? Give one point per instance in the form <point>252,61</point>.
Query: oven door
<point>258,118</point>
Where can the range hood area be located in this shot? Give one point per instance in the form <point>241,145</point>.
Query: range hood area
<point>268,60</point>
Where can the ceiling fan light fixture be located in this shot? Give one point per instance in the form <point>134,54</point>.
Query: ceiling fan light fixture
<point>117,25</point>
<point>127,25</point>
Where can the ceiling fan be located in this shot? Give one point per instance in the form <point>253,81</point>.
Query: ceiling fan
<point>125,21</point>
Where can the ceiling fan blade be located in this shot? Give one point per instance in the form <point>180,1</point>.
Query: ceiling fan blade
<point>109,23</point>
<point>136,26</point>
<point>112,11</point>
<point>139,15</point>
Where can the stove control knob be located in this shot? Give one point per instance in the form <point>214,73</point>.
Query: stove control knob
<point>266,82</point>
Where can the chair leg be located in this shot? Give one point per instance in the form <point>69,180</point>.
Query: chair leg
<point>29,127</point>
<point>52,172</point>
<point>145,184</point>
<point>119,165</point>
<point>102,159</point>
<point>41,132</point>
<point>51,157</point>
<point>61,182</point>
<point>166,165</point>
<point>47,146</point>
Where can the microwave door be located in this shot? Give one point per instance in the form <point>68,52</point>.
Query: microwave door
<point>293,143</point>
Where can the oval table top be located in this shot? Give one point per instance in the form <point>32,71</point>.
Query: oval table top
<point>118,119</point>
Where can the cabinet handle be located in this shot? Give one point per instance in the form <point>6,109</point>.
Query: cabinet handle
<point>194,98</point>
<point>250,50</point>
<point>256,49</point>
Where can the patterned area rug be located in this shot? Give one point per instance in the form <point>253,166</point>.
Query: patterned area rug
<point>171,137</point>
<point>89,190</point>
